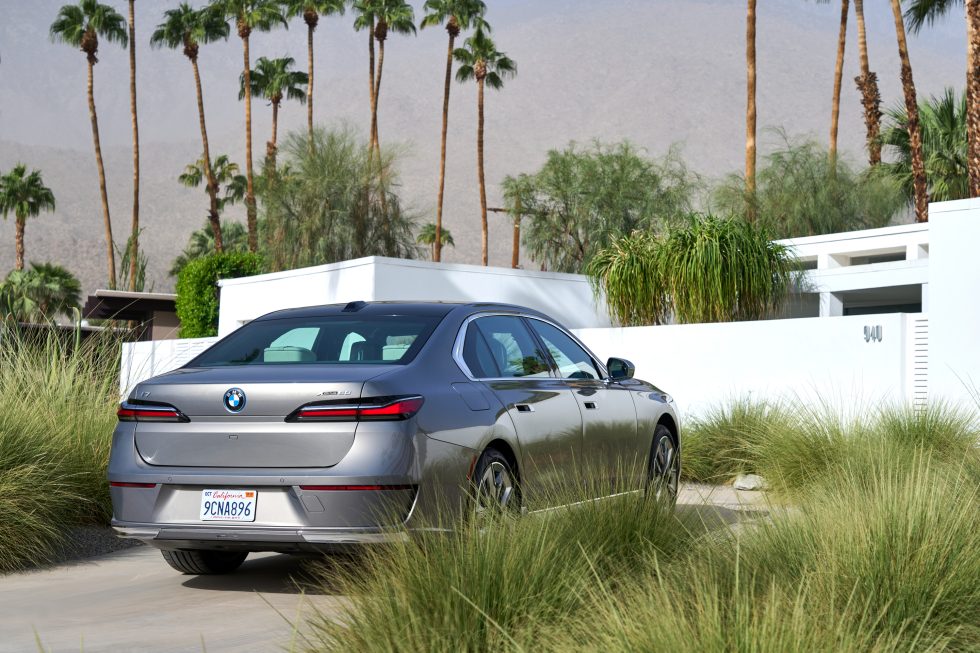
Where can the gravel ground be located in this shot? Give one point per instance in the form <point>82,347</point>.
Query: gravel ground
<point>88,542</point>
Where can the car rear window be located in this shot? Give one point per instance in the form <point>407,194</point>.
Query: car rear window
<point>331,339</point>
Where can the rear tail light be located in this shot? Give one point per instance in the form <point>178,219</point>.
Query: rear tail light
<point>373,409</point>
<point>145,486</point>
<point>135,411</point>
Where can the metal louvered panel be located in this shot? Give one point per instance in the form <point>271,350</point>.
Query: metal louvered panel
<point>919,360</point>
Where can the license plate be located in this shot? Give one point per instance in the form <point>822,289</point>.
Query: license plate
<point>228,505</point>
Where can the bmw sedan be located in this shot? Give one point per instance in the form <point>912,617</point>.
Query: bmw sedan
<point>314,428</point>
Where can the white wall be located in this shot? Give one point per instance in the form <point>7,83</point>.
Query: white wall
<point>142,360</point>
<point>704,365</point>
<point>566,297</point>
<point>954,301</point>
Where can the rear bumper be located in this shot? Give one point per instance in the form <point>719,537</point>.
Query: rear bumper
<point>254,538</point>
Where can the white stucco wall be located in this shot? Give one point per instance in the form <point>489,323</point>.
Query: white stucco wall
<point>954,301</point>
<point>566,297</point>
<point>825,359</point>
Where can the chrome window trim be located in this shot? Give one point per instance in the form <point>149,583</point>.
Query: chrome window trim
<point>461,338</point>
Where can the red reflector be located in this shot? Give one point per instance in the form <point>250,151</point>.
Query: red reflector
<point>145,486</point>
<point>354,488</point>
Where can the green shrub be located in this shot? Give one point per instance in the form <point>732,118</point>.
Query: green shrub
<point>55,430</point>
<point>197,289</point>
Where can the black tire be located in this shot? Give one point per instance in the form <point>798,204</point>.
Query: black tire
<point>495,483</point>
<point>200,562</point>
<point>663,472</point>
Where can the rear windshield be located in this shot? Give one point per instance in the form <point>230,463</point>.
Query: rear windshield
<point>333,339</point>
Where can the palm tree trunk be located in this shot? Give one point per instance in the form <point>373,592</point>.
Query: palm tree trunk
<point>253,236</point>
<point>915,128</point>
<point>110,251</point>
<point>19,242</point>
<point>750,112</point>
<point>515,255</point>
<point>867,84</point>
<point>375,99</point>
<point>309,85</point>
<point>838,77</point>
<point>271,146</point>
<point>437,256</point>
<point>480,171</point>
<point>135,235</point>
<point>973,94</point>
<point>374,125</point>
<point>213,216</point>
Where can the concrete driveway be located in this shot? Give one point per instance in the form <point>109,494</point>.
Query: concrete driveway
<point>133,601</point>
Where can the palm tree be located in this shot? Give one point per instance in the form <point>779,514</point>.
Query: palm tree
<point>922,12</point>
<point>80,26</point>
<point>838,78</point>
<point>311,10</point>
<point>365,10</point>
<point>189,28</point>
<point>867,84</point>
<point>944,147</point>
<point>25,195</point>
<point>428,237</point>
<point>391,16</point>
<point>914,127</point>
<point>250,15</point>
<point>479,59</point>
<point>135,232</point>
<point>457,15</point>
<point>274,80</point>
<point>750,108</point>
<point>201,243</point>
<point>40,293</point>
<point>225,173</point>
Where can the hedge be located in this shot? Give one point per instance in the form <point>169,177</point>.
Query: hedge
<point>197,289</point>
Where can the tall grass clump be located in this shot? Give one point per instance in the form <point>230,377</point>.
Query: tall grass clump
<point>494,583</point>
<point>57,403</point>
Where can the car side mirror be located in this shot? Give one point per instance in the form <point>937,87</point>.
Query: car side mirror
<point>620,369</point>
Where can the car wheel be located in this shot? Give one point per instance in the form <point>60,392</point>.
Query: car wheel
<point>663,476</point>
<point>204,562</point>
<point>495,484</point>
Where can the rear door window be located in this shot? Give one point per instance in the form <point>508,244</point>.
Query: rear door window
<point>500,346</point>
<point>572,360</point>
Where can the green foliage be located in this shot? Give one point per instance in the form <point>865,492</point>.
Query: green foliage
<point>141,262</point>
<point>464,13</point>
<point>197,289</point>
<point>799,193</point>
<point>944,148</point>
<point>479,59</point>
<point>201,243</point>
<point>326,203</point>
<point>274,79</point>
<point>226,173</point>
<point>706,269</point>
<point>583,199</point>
<point>427,236</point>
<point>186,27</point>
<point>40,293</point>
<point>252,15</point>
<point>55,428</point>
<point>24,194</point>
<point>79,25</point>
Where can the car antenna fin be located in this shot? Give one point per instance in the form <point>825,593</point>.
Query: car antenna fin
<point>354,307</point>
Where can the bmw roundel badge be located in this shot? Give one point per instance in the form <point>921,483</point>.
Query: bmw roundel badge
<point>234,400</point>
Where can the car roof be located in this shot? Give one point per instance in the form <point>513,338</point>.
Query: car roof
<point>436,309</point>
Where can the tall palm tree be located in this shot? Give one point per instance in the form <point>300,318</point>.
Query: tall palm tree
<point>135,232</point>
<point>457,15</point>
<point>914,126</point>
<point>80,26</point>
<point>922,12</point>
<point>867,84</point>
<point>274,80</point>
<point>40,294</point>
<point>428,235</point>
<point>750,108</point>
<point>189,28</point>
<point>838,78</point>
<point>479,59</point>
<point>311,10</point>
<point>365,10</point>
<point>25,195</point>
<point>391,16</point>
<point>249,16</point>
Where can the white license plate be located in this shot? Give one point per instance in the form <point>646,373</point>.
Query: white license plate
<point>228,505</point>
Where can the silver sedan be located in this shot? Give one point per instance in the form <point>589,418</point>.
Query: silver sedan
<point>321,427</point>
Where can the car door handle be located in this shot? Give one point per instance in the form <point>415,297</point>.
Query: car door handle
<point>524,408</point>
<point>590,405</point>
